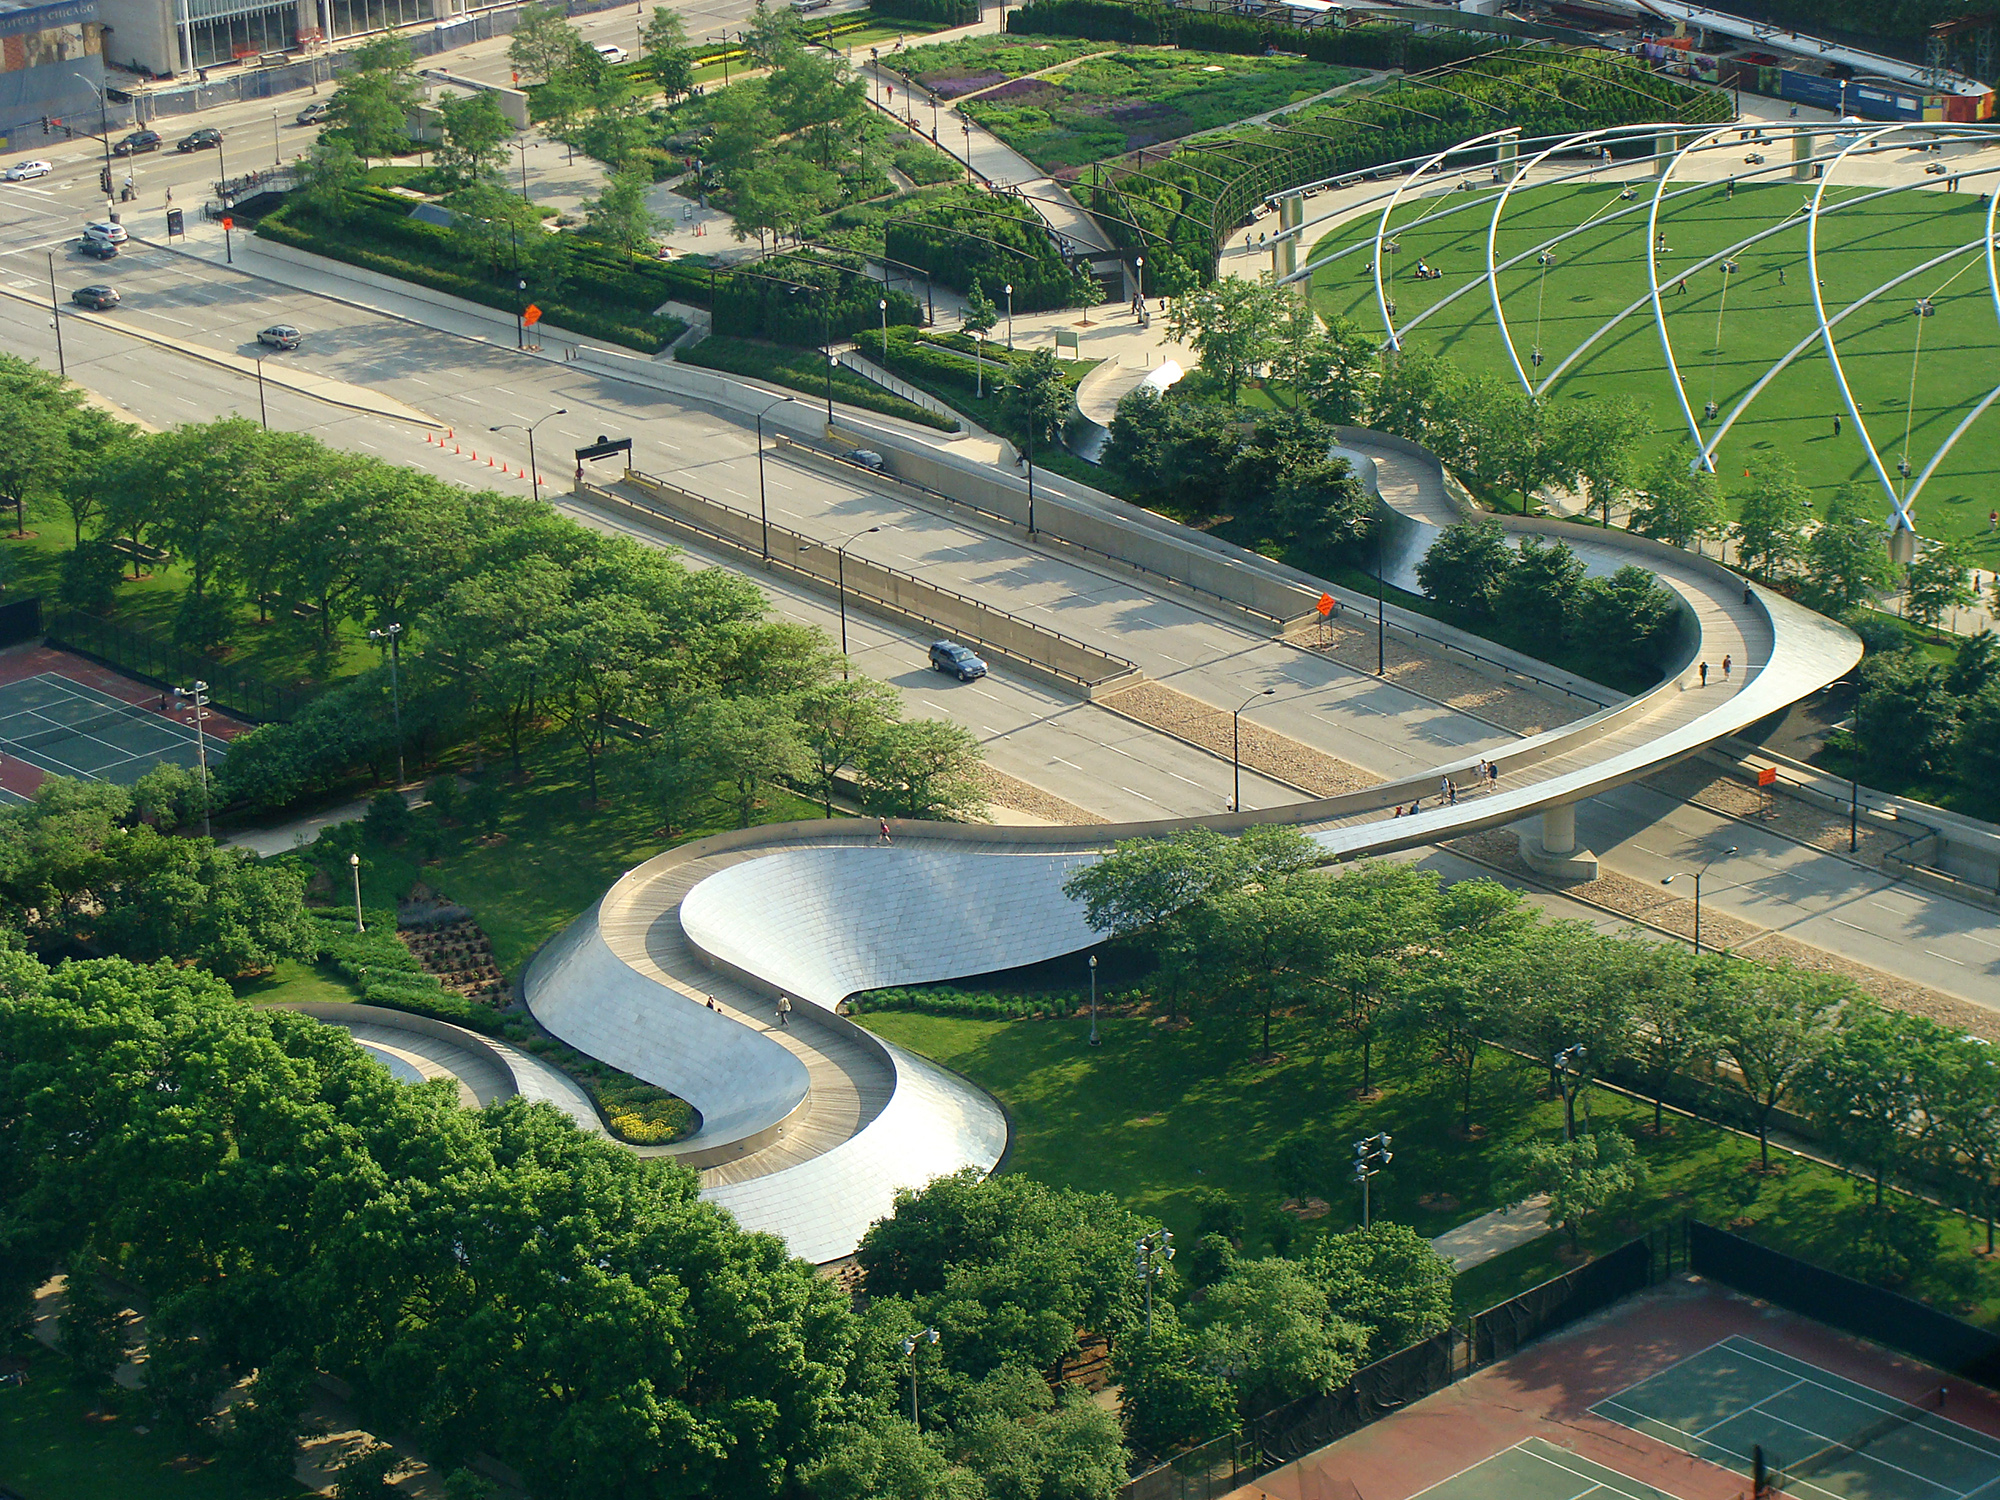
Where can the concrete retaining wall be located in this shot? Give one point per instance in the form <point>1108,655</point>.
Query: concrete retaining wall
<point>1043,654</point>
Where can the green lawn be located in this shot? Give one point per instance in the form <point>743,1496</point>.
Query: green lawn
<point>1597,273</point>
<point>1155,1116</point>
<point>53,1448</point>
<point>292,983</point>
<point>1111,105</point>
<point>283,651</point>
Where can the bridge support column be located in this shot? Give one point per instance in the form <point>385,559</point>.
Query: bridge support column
<point>1552,849</point>
<point>1803,146</point>
<point>1510,159</point>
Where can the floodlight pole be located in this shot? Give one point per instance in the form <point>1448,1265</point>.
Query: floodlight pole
<point>199,697</point>
<point>393,636</point>
<point>1150,1257</point>
<point>1371,1155</point>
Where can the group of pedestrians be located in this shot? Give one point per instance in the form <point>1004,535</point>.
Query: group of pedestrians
<point>1486,774</point>
<point>1727,666</point>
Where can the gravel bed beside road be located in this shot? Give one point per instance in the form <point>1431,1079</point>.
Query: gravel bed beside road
<point>1264,750</point>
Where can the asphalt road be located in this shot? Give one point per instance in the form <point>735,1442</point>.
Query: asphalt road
<point>1078,751</point>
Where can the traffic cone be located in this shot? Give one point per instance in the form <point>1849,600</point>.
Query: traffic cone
<point>454,447</point>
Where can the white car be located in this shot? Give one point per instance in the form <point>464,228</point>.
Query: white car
<point>111,234</point>
<point>21,171</point>
<point>611,52</point>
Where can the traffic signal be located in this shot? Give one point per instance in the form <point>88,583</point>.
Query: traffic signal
<point>45,124</point>
<point>104,180</point>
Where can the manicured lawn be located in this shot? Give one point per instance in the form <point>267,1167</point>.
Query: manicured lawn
<point>554,855</point>
<point>53,1448</point>
<point>1111,105</point>
<point>1598,273</point>
<point>284,651</point>
<point>1155,1116</point>
<point>293,982</point>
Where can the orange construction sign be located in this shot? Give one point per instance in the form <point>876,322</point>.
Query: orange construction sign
<point>532,316</point>
<point>1326,604</point>
<point>1768,776</point>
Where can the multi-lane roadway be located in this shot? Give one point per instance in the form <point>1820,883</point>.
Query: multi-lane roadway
<point>385,343</point>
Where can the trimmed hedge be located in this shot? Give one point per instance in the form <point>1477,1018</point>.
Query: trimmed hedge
<point>804,370</point>
<point>913,353</point>
<point>933,12</point>
<point>1372,46</point>
<point>959,236</point>
<point>942,1000</point>
<point>610,293</point>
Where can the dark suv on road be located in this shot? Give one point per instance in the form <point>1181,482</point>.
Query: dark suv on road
<point>951,658</point>
<point>138,141</point>
<point>205,139</point>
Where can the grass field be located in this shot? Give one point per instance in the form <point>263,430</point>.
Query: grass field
<point>1154,1116</point>
<point>1597,273</point>
<point>56,1444</point>
<point>1110,105</point>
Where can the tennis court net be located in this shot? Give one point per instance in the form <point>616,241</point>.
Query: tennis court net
<point>1774,1479</point>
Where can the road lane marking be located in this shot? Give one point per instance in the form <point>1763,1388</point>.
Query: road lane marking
<point>1845,923</point>
<point>1946,957</point>
<point>1061,762</point>
<point>1140,795</point>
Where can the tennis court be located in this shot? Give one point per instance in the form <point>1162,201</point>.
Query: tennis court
<point>67,728</point>
<point>1536,1469</point>
<point>1820,1435</point>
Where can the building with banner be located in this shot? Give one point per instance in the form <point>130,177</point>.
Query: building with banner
<point>43,50</point>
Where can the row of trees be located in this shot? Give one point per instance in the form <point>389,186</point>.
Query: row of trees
<point>515,620</point>
<point>1249,928</point>
<point>494,1282</point>
<point>1919,720</point>
<point>1538,596</point>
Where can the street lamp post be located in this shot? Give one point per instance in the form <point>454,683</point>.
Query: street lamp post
<point>263,414</point>
<point>883,303</point>
<point>1140,262</point>
<point>354,864</point>
<point>534,470</point>
<point>1381,622</point>
<point>1567,1069</point>
<point>1031,473</point>
<point>763,507</point>
<point>910,1346</point>
<point>968,153</point>
<point>392,636</point>
<point>104,130</point>
<point>840,588</point>
<point>1236,750</point>
<point>1669,880</point>
<point>1150,1258</point>
<point>1093,1001</point>
<point>55,316</point>
<point>1371,1155</point>
<point>197,699</point>
<point>832,359</point>
<point>1010,317</point>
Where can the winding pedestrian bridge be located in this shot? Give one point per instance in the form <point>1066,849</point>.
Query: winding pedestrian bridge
<point>810,1128</point>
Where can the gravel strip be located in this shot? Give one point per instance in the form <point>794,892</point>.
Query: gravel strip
<point>1656,906</point>
<point>1022,796</point>
<point>1264,749</point>
<point>1802,822</point>
<point>1502,703</point>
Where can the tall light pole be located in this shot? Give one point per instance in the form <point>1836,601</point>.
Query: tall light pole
<point>832,359</point>
<point>197,699</point>
<point>1381,621</point>
<point>392,636</point>
<point>968,153</point>
<point>104,129</point>
<point>1236,749</point>
<point>1150,1259</point>
<point>1140,262</point>
<point>763,506</point>
<point>1010,317</point>
<point>534,470</point>
<point>1567,1068</point>
<point>840,588</point>
<point>1093,1001</point>
<point>911,1344</point>
<point>354,864</point>
<point>883,303</point>
<point>263,413</point>
<point>1371,1155</point>
<point>55,316</point>
<point>1669,880</point>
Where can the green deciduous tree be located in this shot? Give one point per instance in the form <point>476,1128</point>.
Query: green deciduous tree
<point>665,44</point>
<point>1869,1088</point>
<point>924,768</point>
<point>1582,1177</point>
<point>1939,583</point>
<point>1847,556</point>
<point>1387,1279</point>
<point>1774,1024</point>
<point>1036,397</point>
<point>838,722</point>
<point>1537,595</point>
<point>1625,617</point>
<point>543,43</point>
<point>474,140</point>
<point>1466,566</point>
<point>1603,438</point>
<point>1905,719</point>
<point>1675,505</point>
<point>371,107</point>
<point>619,214</point>
<point>1231,325</point>
<point>1976,752</point>
<point>1771,515</point>
<point>91,1335</point>
<point>1271,1327</point>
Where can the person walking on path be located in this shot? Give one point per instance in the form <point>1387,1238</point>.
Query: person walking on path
<point>1725,669</point>
<point>1704,674</point>
<point>785,1011</point>
<point>885,832</point>
<point>1493,773</point>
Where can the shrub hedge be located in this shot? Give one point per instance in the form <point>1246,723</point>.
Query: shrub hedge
<point>933,12</point>
<point>607,293</point>
<point>995,237</point>
<point>942,1000</point>
<point>804,370</point>
<point>1377,46</point>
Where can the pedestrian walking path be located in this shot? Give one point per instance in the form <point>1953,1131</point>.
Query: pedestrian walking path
<point>1478,1240</point>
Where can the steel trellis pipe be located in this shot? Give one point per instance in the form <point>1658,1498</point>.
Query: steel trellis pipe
<point>1382,229</point>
